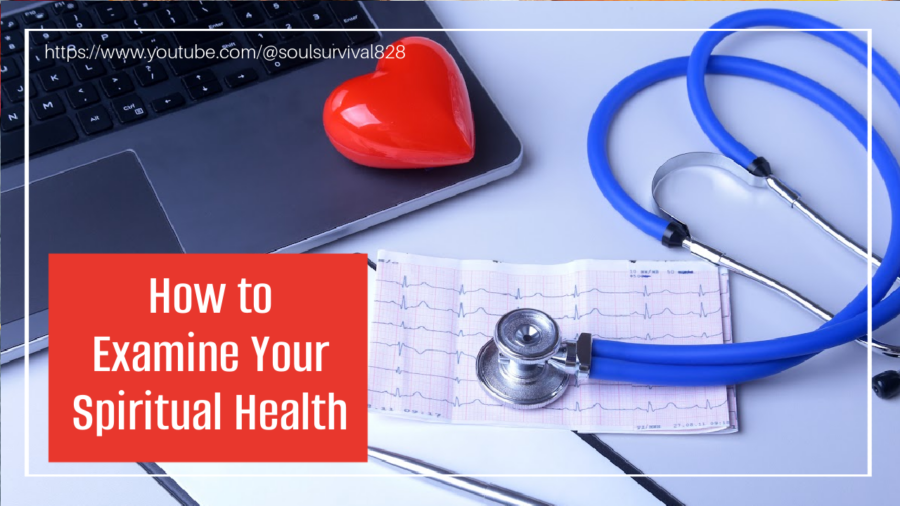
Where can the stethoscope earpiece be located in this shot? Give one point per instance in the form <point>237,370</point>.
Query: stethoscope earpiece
<point>886,384</point>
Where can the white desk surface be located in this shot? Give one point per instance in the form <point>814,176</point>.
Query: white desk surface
<point>811,420</point>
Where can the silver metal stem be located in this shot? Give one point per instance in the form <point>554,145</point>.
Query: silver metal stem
<point>487,491</point>
<point>711,255</point>
<point>716,257</point>
<point>728,165</point>
<point>793,198</point>
<point>516,370</point>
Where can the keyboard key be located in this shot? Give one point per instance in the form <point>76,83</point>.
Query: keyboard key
<point>303,45</point>
<point>77,20</point>
<point>158,41</point>
<point>332,39</point>
<point>9,24</point>
<point>167,102</point>
<point>207,30</point>
<point>13,118</point>
<point>15,90</point>
<point>184,66</point>
<point>12,43</point>
<point>262,38</point>
<point>9,69</point>
<point>289,23</point>
<point>43,136</point>
<point>48,106</point>
<point>130,108</point>
<point>204,90</point>
<point>248,16</point>
<point>199,77</point>
<point>82,95</point>
<point>54,79</point>
<point>35,15</point>
<point>150,73</point>
<point>38,62</point>
<point>110,12</point>
<point>351,15</point>
<point>44,25</point>
<point>142,23</point>
<point>203,9</point>
<point>61,7</point>
<point>116,84</point>
<point>40,38</point>
<point>94,120</point>
<point>105,39</point>
<point>241,78</point>
<point>142,7</point>
<point>316,17</point>
<point>73,43</point>
<point>276,9</point>
<point>127,58</point>
<point>88,69</point>
<point>171,16</point>
<point>225,43</point>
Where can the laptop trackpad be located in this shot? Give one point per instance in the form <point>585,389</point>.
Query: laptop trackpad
<point>107,206</point>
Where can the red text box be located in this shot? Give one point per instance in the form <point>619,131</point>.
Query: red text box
<point>208,358</point>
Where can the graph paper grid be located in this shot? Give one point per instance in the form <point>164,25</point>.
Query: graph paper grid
<point>432,315</point>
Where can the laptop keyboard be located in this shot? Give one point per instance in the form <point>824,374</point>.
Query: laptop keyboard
<point>74,101</point>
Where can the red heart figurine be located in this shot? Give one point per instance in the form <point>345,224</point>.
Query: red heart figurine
<point>412,112</point>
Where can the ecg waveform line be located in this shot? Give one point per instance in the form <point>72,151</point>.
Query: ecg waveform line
<point>645,337</point>
<point>648,337</point>
<point>400,372</point>
<point>649,409</point>
<point>456,402</point>
<point>646,292</point>
<point>461,333</point>
<point>462,313</point>
<point>402,346</point>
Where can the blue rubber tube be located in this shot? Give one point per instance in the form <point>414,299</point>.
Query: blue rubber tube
<point>727,364</point>
<point>803,344</point>
<point>598,132</point>
<point>848,42</point>
<point>686,375</point>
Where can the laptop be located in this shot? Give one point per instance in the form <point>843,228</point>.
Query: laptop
<point>198,155</point>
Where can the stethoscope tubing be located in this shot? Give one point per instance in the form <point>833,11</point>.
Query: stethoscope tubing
<point>735,363</point>
<point>697,92</point>
<point>834,104</point>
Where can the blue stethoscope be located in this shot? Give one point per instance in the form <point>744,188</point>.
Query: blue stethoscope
<point>528,365</point>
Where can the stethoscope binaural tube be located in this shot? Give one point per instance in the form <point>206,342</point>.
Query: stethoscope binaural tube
<point>750,68</point>
<point>844,40</point>
<point>734,363</point>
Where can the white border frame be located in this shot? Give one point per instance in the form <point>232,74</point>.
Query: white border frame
<point>27,184</point>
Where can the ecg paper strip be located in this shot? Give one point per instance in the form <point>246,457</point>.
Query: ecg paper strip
<point>432,315</point>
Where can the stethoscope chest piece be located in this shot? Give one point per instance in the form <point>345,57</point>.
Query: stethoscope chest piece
<point>514,366</point>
